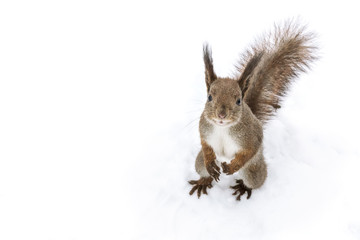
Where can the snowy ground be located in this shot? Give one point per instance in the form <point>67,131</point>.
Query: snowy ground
<point>99,108</point>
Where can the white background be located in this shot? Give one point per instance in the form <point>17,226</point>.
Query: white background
<point>99,103</point>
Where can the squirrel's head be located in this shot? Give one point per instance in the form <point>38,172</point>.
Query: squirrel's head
<point>224,103</point>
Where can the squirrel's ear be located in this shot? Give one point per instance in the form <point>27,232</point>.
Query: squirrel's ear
<point>210,75</point>
<point>247,70</point>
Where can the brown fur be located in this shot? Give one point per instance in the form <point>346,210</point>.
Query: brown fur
<point>201,185</point>
<point>210,75</point>
<point>268,67</point>
<point>238,162</point>
<point>240,189</point>
<point>209,159</point>
<point>225,92</point>
<point>255,173</point>
<point>231,124</point>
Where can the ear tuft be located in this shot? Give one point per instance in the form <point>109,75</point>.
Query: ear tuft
<point>248,69</point>
<point>210,75</point>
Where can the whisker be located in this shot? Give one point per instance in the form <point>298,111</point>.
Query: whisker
<point>191,122</point>
<point>196,110</point>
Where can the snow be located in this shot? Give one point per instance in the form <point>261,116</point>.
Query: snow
<point>99,109</point>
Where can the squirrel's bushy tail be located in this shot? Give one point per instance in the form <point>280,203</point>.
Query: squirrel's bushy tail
<point>269,66</point>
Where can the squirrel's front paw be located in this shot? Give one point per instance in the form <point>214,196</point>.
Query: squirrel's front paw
<point>213,170</point>
<point>227,168</point>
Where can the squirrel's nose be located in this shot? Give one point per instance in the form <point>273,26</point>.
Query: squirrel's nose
<point>221,112</point>
<point>222,115</point>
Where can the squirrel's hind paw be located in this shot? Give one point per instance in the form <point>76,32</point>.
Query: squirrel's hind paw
<point>201,185</point>
<point>240,189</point>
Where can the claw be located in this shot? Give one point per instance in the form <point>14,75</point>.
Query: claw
<point>248,194</point>
<point>213,170</point>
<point>199,191</point>
<point>192,182</point>
<point>201,185</point>
<point>193,190</point>
<point>204,191</point>
<point>240,189</point>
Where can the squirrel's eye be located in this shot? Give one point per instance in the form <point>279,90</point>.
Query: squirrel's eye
<point>238,102</point>
<point>209,98</point>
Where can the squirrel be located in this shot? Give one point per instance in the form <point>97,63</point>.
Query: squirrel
<point>231,125</point>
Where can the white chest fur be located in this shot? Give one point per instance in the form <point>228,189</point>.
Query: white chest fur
<point>223,143</point>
